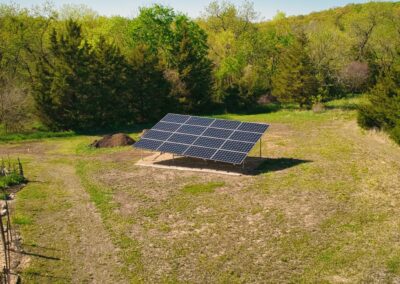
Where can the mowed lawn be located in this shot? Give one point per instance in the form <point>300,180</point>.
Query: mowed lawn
<point>324,208</point>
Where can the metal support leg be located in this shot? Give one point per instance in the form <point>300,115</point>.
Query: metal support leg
<point>260,149</point>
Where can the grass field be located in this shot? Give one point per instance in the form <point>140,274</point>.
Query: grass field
<point>324,209</point>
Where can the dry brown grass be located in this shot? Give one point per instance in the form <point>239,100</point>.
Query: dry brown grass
<point>324,209</point>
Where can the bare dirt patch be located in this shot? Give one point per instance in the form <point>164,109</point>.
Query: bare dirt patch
<point>114,140</point>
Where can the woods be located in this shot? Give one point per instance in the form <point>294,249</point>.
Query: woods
<point>72,69</point>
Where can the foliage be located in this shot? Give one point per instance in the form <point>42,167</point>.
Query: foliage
<point>79,86</point>
<point>10,180</point>
<point>129,70</point>
<point>383,109</point>
<point>181,47</point>
<point>295,80</point>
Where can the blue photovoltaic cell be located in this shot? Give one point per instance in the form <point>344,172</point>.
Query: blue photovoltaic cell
<point>217,133</point>
<point>253,127</point>
<point>245,136</point>
<point>229,157</point>
<point>201,137</point>
<point>148,144</point>
<point>209,142</point>
<point>200,121</point>
<point>177,118</point>
<point>238,146</point>
<point>191,129</point>
<point>200,152</point>
<point>226,124</point>
<point>182,138</point>
<point>157,135</point>
<point>166,126</point>
<point>173,148</point>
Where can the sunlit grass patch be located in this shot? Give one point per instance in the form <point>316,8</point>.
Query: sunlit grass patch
<point>202,187</point>
<point>20,219</point>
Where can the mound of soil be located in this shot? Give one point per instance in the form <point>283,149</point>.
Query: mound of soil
<point>115,140</point>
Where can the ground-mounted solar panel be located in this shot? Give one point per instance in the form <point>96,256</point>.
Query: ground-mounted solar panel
<point>237,146</point>
<point>191,129</point>
<point>200,137</point>
<point>209,142</point>
<point>229,157</point>
<point>157,135</point>
<point>176,118</point>
<point>245,136</point>
<point>253,127</point>
<point>225,124</point>
<point>148,144</point>
<point>166,126</point>
<point>182,138</point>
<point>173,148</point>
<point>200,121</point>
<point>217,133</point>
<point>200,152</point>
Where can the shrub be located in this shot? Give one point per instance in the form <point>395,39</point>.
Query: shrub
<point>383,109</point>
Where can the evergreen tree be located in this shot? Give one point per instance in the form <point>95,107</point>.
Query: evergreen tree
<point>79,86</point>
<point>294,79</point>
<point>151,99</point>
<point>189,58</point>
<point>383,109</point>
<point>181,46</point>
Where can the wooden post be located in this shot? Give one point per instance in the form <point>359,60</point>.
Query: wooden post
<point>3,238</point>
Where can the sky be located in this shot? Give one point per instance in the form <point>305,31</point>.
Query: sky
<point>194,8</point>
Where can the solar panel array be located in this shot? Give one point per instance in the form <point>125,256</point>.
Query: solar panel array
<point>207,138</point>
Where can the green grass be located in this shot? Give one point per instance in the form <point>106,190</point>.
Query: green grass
<point>103,199</point>
<point>10,180</point>
<point>202,188</point>
<point>37,135</point>
<point>323,208</point>
<point>21,220</point>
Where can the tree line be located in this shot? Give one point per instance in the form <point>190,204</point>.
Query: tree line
<point>75,69</point>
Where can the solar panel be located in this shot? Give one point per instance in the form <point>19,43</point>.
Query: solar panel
<point>200,152</point>
<point>200,121</point>
<point>148,144</point>
<point>182,138</point>
<point>237,146</point>
<point>225,124</point>
<point>173,148</point>
<point>190,129</point>
<point>166,126</point>
<point>217,133</point>
<point>246,136</point>
<point>157,135</point>
<point>209,142</point>
<point>201,137</point>
<point>229,157</point>
<point>176,118</point>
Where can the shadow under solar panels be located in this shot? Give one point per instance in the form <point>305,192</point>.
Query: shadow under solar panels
<point>201,137</point>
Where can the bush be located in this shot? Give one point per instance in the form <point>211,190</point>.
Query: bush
<point>395,133</point>
<point>383,109</point>
<point>10,180</point>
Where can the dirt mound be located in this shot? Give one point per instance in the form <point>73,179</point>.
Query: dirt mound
<point>115,140</point>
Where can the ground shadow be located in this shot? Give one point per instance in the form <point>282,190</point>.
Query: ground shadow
<point>251,166</point>
<point>37,255</point>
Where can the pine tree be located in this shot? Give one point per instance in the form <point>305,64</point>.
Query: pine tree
<point>150,98</point>
<point>194,68</point>
<point>295,80</point>
<point>80,86</point>
<point>383,109</point>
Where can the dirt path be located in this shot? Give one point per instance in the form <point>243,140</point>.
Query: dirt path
<point>74,245</point>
